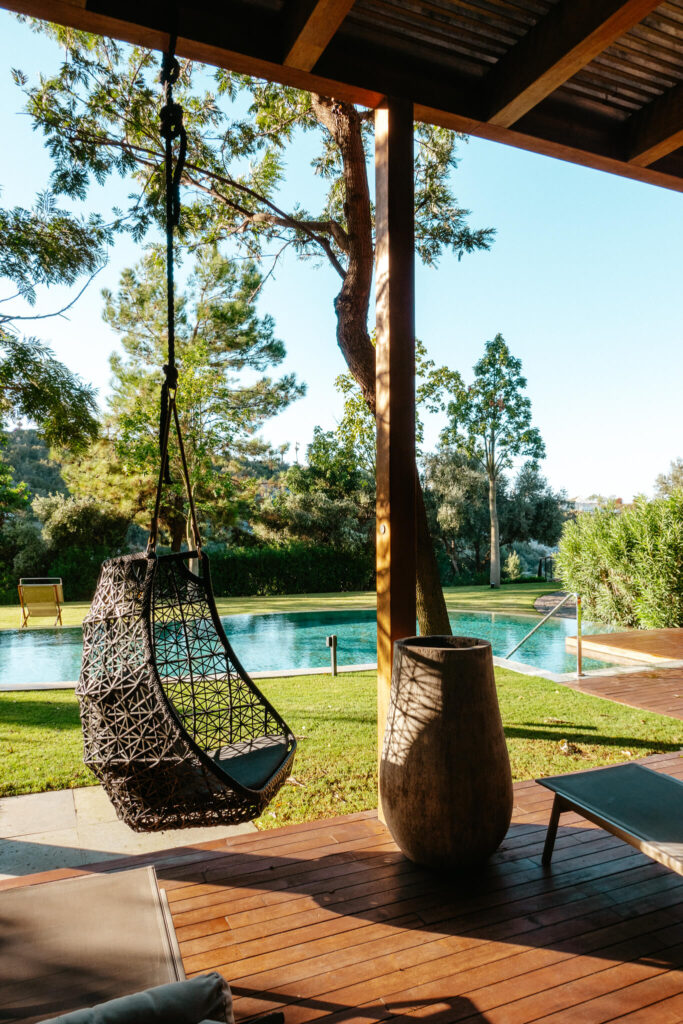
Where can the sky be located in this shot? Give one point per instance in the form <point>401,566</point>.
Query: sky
<point>583,280</point>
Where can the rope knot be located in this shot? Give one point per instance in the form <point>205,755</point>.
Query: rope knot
<point>170,68</point>
<point>171,373</point>
<point>171,117</point>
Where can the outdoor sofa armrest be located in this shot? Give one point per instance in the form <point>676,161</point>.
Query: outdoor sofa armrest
<point>198,1001</point>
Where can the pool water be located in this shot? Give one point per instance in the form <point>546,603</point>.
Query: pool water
<point>278,642</point>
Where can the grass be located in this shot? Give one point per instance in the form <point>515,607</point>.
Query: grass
<point>513,597</point>
<point>335,722</point>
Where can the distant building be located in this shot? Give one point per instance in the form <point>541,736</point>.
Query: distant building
<point>593,502</point>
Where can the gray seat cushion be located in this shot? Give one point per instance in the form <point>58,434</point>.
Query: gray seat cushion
<point>203,999</point>
<point>252,762</point>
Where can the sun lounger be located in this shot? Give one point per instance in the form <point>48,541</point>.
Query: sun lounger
<point>642,807</point>
<point>40,598</point>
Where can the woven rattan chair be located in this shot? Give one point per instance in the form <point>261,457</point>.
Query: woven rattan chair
<point>174,728</point>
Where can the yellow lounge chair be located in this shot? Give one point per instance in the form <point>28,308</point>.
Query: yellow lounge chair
<point>41,598</point>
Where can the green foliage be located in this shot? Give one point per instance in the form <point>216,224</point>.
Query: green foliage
<point>32,463</point>
<point>41,247</point>
<point>457,504</point>
<point>35,385</point>
<point>47,246</point>
<point>292,569</point>
<point>77,535</point>
<point>13,496</point>
<point>22,553</point>
<point>219,339</point>
<point>628,565</point>
<point>490,421</point>
<point>434,386</point>
<point>329,501</point>
<point>512,569</point>
<point>490,424</point>
<point>80,522</point>
<point>667,483</point>
<point>98,113</point>
<point>332,466</point>
<point>318,517</point>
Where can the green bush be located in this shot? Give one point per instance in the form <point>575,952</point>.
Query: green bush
<point>296,568</point>
<point>628,566</point>
<point>512,570</point>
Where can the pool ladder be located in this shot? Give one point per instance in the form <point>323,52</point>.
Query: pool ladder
<point>567,597</point>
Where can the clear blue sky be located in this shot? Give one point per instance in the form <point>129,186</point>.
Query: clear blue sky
<point>583,281</point>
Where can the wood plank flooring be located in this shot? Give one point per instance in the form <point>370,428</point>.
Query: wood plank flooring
<point>659,690</point>
<point>327,920</point>
<point>647,645</point>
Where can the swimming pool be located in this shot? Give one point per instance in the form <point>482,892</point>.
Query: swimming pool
<point>283,641</point>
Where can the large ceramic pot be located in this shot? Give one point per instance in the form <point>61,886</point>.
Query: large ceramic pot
<point>445,781</point>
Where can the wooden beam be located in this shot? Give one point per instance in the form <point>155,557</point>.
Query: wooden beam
<point>309,27</point>
<point>657,129</point>
<point>564,41</point>
<point>202,37</point>
<point>350,73</point>
<point>395,297</point>
<point>534,136</point>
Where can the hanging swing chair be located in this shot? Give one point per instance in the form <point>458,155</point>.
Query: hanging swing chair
<point>174,728</point>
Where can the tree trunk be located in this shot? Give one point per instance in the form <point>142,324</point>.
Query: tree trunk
<point>432,613</point>
<point>495,537</point>
<point>177,533</point>
<point>173,518</point>
<point>352,305</point>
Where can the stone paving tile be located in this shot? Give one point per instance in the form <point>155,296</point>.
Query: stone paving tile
<point>43,851</point>
<point>36,812</point>
<point>70,827</point>
<point>93,806</point>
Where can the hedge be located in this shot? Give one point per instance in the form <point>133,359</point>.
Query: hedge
<point>235,572</point>
<point>294,569</point>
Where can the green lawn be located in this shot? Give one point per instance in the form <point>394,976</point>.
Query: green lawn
<point>335,722</point>
<point>514,597</point>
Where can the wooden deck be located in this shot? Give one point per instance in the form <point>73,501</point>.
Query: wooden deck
<point>328,921</point>
<point>652,646</point>
<point>659,690</point>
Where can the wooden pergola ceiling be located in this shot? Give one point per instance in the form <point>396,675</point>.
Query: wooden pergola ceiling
<point>595,82</point>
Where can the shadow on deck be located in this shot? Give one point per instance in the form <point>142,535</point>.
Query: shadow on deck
<point>328,920</point>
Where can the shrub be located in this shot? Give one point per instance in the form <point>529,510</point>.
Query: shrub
<point>296,568</point>
<point>512,570</point>
<point>628,566</point>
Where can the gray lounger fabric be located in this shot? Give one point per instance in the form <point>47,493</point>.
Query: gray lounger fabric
<point>645,803</point>
<point>203,999</point>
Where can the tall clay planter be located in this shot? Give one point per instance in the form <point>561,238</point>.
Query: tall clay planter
<point>445,779</point>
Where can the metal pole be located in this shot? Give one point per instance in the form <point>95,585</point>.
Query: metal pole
<point>538,625</point>
<point>579,659</point>
<point>331,642</point>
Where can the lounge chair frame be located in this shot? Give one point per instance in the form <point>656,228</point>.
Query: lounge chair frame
<point>645,809</point>
<point>40,598</point>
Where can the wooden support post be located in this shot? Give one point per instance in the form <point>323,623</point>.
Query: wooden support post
<point>395,284</point>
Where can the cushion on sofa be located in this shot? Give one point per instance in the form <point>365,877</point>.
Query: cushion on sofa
<point>200,1000</point>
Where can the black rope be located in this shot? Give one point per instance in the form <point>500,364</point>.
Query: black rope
<point>172,128</point>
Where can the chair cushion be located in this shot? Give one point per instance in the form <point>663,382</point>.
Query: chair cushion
<point>252,762</point>
<point>203,999</point>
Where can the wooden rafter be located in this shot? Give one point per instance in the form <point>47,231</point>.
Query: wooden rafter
<point>359,71</point>
<point>657,129</point>
<point>309,27</point>
<point>563,42</point>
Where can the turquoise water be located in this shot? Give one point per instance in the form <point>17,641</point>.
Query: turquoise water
<point>277,642</point>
